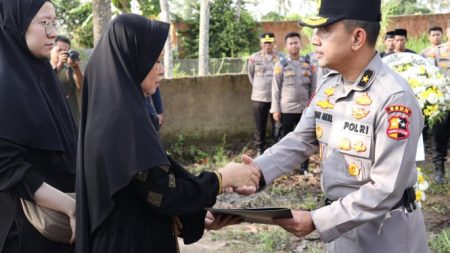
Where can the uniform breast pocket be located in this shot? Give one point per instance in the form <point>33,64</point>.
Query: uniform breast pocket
<point>259,69</point>
<point>358,168</point>
<point>288,77</point>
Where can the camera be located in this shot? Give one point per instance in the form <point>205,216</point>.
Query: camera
<point>74,55</point>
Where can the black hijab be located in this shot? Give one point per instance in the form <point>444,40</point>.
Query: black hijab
<point>117,138</point>
<point>33,111</point>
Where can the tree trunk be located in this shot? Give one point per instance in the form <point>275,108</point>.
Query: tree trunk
<point>238,9</point>
<point>168,59</point>
<point>101,15</point>
<point>204,38</point>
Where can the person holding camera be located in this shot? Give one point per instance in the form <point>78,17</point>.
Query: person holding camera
<point>66,64</point>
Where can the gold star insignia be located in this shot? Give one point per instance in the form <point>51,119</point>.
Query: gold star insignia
<point>365,78</point>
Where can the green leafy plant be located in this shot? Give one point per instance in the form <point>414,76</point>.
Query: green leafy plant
<point>441,243</point>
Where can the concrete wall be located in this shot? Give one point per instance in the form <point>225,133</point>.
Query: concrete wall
<point>206,108</point>
<point>418,24</point>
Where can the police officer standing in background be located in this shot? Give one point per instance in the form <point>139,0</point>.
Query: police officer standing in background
<point>260,73</point>
<point>441,130</point>
<point>292,87</point>
<point>366,123</point>
<point>435,39</point>
<point>388,43</point>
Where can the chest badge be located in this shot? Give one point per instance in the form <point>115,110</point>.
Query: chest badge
<point>325,104</point>
<point>319,132</point>
<point>345,144</point>
<point>329,92</point>
<point>359,147</point>
<point>353,170</point>
<point>364,100</point>
<point>277,70</point>
<point>398,128</point>
<point>359,113</point>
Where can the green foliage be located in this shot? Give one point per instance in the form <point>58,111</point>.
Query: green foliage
<point>150,8</point>
<point>404,7</point>
<point>272,16</point>
<point>441,243</point>
<point>273,240</point>
<point>76,21</point>
<point>228,36</point>
<point>180,151</point>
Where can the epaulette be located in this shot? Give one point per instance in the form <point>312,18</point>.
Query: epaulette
<point>283,61</point>
<point>307,58</point>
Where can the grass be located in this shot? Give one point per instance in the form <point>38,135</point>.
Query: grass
<point>441,243</point>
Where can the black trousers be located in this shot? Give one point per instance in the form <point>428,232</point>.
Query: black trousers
<point>261,111</point>
<point>441,136</point>
<point>289,121</point>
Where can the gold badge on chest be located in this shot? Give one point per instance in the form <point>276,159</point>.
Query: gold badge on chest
<point>359,147</point>
<point>359,113</point>
<point>363,99</point>
<point>353,170</point>
<point>319,132</point>
<point>325,104</point>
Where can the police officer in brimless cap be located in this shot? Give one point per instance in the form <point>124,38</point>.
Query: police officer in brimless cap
<point>388,43</point>
<point>365,122</point>
<point>400,39</point>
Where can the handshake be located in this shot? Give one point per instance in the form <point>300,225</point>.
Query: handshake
<point>242,178</point>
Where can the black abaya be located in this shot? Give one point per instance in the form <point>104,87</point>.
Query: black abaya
<point>130,194</point>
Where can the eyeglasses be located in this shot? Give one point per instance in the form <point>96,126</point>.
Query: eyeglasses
<point>48,25</point>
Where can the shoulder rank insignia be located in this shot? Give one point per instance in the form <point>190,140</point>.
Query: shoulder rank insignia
<point>329,92</point>
<point>398,128</point>
<point>398,108</point>
<point>325,104</point>
<point>359,113</point>
<point>366,77</point>
<point>359,147</point>
<point>353,170</point>
<point>364,100</point>
<point>283,61</point>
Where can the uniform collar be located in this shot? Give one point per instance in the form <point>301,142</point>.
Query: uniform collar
<point>367,76</point>
<point>365,79</point>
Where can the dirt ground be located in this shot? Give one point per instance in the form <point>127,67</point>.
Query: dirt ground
<point>246,237</point>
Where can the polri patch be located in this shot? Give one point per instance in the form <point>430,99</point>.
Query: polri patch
<point>398,128</point>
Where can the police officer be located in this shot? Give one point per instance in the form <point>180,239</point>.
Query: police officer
<point>260,74</point>
<point>292,87</point>
<point>435,39</point>
<point>441,130</point>
<point>388,43</point>
<point>366,122</point>
<point>400,39</point>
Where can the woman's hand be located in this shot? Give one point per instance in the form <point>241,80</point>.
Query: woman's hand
<point>218,221</point>
<point>52,198</point>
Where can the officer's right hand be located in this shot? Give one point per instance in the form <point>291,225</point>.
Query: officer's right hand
<point>277,116</point>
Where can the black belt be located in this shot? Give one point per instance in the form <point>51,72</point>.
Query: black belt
<point>407,200</point>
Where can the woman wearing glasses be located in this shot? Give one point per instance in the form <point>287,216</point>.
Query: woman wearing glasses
<point>37,132</point>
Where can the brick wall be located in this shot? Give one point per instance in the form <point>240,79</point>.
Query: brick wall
<point>418,24</point>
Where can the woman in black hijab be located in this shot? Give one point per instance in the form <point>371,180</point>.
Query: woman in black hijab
<point>37,132</point>
<point>131,197</point>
